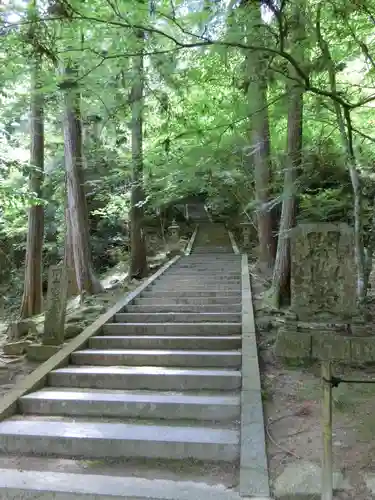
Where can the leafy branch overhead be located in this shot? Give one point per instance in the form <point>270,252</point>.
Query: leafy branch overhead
<point>210,86</point>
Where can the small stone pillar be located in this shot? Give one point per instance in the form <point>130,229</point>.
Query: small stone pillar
<point>246,233</point>
<point>174,231</point>
<point>323,271</point>
<point>57,294</point>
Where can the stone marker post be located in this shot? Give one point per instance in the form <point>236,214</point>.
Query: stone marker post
<point>323,271</point>
<point>55,312</point>
<point>174,231</point>
<point>246,233</point>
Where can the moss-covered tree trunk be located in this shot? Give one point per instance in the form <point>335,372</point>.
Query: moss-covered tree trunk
<point>138,260</point>
<point>295,92</point>
<point>259,133</point>
<point>32,301</point>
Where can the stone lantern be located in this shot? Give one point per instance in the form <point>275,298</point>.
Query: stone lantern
<point>246,233</point>
<point>174,231</point>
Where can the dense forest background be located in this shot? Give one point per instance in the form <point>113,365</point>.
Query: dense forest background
<point>113,109</point>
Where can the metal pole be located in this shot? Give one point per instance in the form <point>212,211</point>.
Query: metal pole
<point>327,478</point>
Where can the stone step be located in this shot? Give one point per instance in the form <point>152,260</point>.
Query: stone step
<point>165,342</point>
<point>207,275</point>
<point>141,404</point>
<point>210,260</point>
<point>196,286</point>
<point>209,264</point>
<point>155,357</point>
<point>145,377</point>
<point>212,275</point>
<point>68,438</point>
<point>189,308</point>
<point>211,256</point>
<point>178,317</point>
<point>191,293</point>
<point>203,301</point>
<point>203,273</point>
<point>207,250</point>
<point>230,256</point>
<point>209,282</point>
<point>206,268</point>
<point>17,484</point>
<point>172,328</point>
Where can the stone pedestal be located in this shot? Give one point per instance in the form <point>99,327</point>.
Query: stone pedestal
<point>40,352</point>
<point>327,324</point>
<point>246,234</point>
<point>56,306</point>
<point>323,272</point>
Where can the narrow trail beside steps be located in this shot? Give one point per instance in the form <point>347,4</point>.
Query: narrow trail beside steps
<point>151,407</point>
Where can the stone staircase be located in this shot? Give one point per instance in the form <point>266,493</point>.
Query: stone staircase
<point>150,407</point>
<point>160,382</point>
<point>212,238</point>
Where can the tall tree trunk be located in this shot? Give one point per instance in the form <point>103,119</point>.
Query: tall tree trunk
<point>32,301</point>
<point>346,132</point>
<point>76,196</point>
<point>281,273</point>
<point>138,259</point>
<point>256,70</point>
<point>69,257</point>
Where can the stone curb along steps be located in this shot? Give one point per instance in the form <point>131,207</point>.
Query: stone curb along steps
<point>147,387</point>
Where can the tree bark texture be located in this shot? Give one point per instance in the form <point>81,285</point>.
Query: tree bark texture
<point>260,158</point>
<point>138,258</point>
<point>76,196</point>
<point>295,91</point>
<point>346,132</point>
<point>32,300</point>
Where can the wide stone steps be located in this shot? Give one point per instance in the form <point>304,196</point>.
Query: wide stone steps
<point>209,283</point>
<point>202,300</point>
<point>196,289</point>
<point>191,293</point>
<point>131,404</point>
<point>153,378</point>
<point>206,250</point>
<point>154,357</point>
<point>165,342</point>
<point>94,439</point>
<point>172,328</point>
<point>188,308</point>
<point>43,484</point>
<point>206,272</point>
<point>160,382</point>
<point>178,317</point>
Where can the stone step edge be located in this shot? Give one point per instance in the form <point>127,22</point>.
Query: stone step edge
<point>159,433</point>
<point>157,352</point>
<point>168,337</point>
<point>154,397</point>
<point>68,486</point>
<point>176,325</point>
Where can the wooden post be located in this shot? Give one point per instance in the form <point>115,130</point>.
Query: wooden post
<point>327,476</point>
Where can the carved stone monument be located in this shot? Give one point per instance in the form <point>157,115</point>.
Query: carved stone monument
<point>56,306</point>
<point>246,233</point>
<point>323,271</point>
<point>325,322</point>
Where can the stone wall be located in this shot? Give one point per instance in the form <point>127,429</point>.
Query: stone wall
<point>294,342</point>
